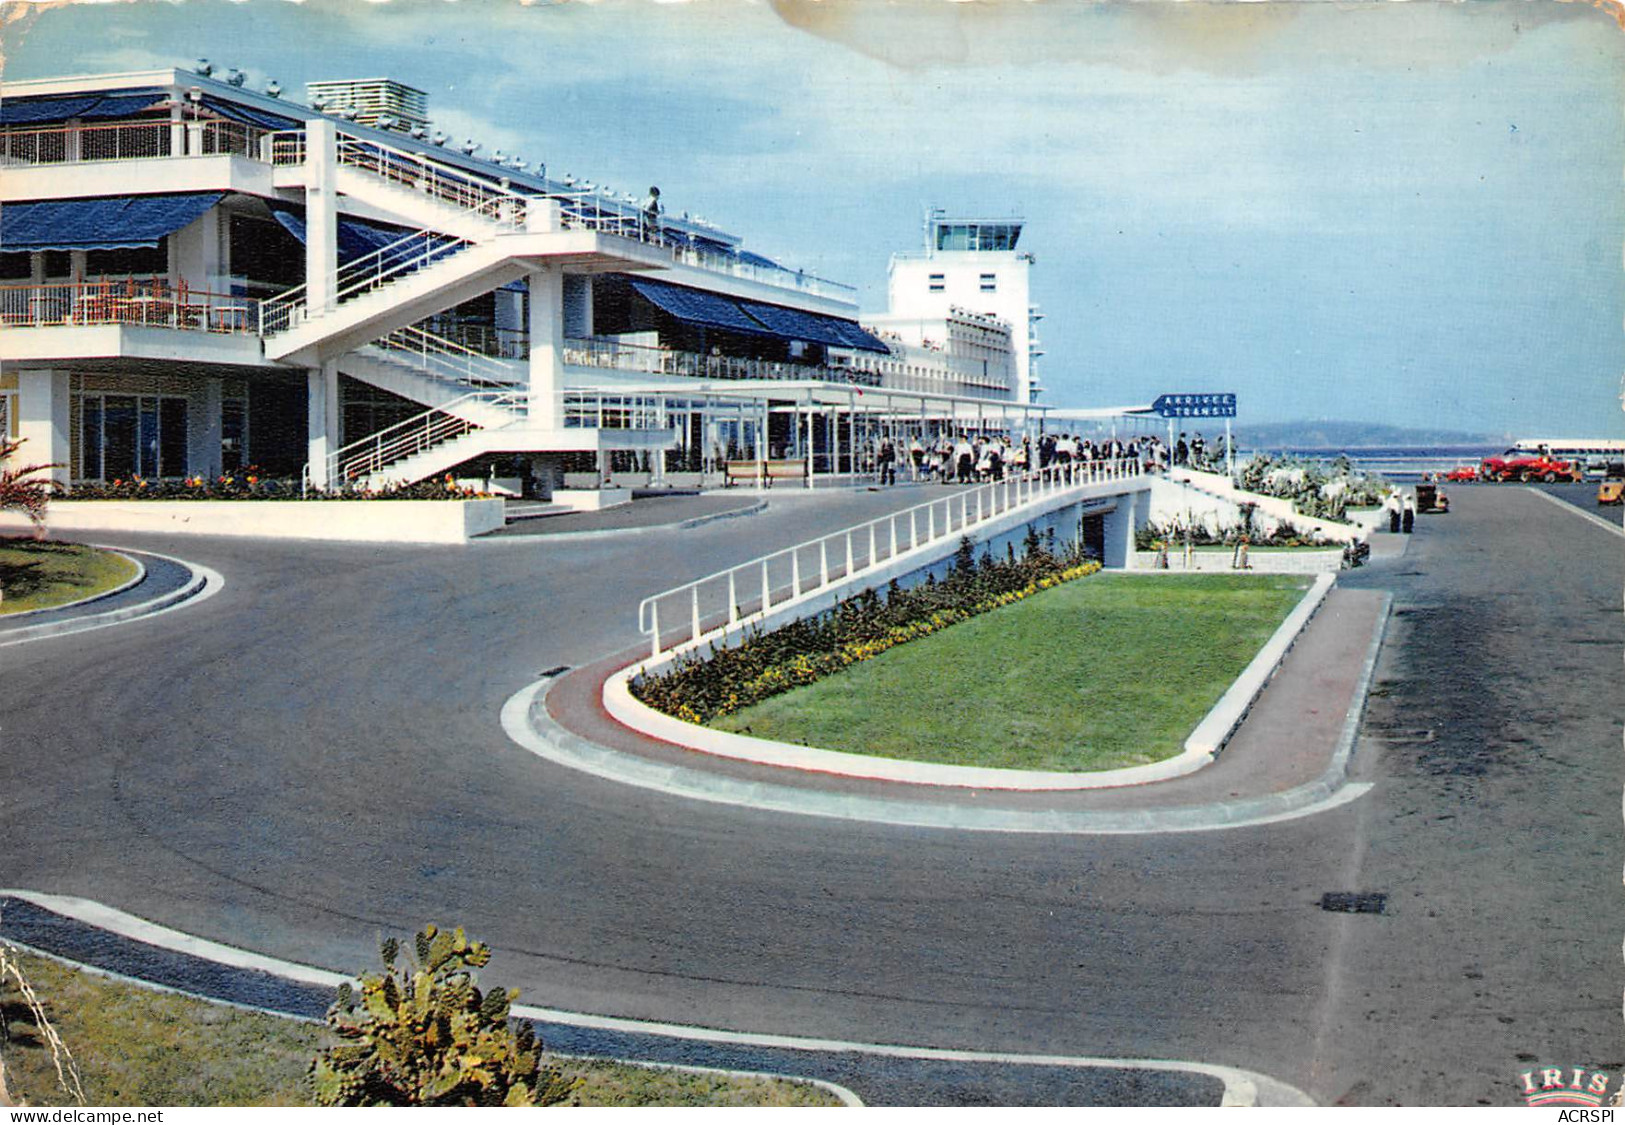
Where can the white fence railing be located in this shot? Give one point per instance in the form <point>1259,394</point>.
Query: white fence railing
<point>129,140</point>
<point>376,452</point>
<point>149,302</point>
<point>355,278</point>
<point>617,356</point>
<point>446,360</point>
<point>709,608</point>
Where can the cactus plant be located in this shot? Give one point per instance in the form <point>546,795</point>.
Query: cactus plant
<point>425,1034</point>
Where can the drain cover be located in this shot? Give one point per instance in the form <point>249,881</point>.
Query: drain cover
<point>1354,902</point>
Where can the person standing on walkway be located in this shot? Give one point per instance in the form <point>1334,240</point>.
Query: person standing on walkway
<point>1408,520</point>
<point>888,461</point>
<point>1391,504</point>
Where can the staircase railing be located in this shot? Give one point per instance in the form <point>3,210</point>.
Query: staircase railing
<point>710,608</point>
<point>362,275</point>
<point>435,426</point>
<point>446,360</point>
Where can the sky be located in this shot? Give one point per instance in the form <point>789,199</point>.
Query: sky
<point>1401,213</point>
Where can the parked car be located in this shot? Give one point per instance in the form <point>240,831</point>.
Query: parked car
<point>1612,488</point>
<point>1529,468</point>
<point>1462,473</point>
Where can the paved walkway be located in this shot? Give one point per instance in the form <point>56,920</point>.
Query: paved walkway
<point>641,514</point>
<point>1291,739</point>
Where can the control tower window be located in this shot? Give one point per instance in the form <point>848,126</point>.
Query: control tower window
<point>937,283</point>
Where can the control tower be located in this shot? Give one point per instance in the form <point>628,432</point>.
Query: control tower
<point>974,264</point>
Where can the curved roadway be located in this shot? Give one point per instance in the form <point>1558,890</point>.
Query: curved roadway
<point>312,759</point>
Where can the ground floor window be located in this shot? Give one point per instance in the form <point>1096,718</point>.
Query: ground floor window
<point>233,434</point>
<point>123,436</point>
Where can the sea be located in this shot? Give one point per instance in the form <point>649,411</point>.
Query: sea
<point>1397,462</point>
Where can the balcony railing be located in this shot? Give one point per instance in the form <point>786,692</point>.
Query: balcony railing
<point>137,140</point>
<point>149,302</point>
<point>616,356</point>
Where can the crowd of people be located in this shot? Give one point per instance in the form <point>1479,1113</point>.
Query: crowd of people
<point>967,458</point>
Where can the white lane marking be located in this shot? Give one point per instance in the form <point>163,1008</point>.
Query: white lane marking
<point>1241,1086</point>
<point>1579,511</point>
<point>692,784</point>
<point>209,582</point>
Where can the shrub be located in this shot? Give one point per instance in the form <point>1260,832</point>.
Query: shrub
<point>251,484</point>
<point>701,687</point>
<point>426,1035</point>
<point>22,488</point>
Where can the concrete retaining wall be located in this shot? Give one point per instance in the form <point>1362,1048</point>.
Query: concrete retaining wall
<point>1261,562</point>
<point>362,521</point>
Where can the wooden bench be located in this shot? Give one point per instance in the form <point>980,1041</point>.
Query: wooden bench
<point>763,473</point>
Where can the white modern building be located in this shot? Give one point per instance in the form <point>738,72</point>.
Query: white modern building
<point>196,277</point>
<point>967,264</point>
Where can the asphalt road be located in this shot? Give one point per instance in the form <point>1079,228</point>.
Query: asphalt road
<point>312,759</point>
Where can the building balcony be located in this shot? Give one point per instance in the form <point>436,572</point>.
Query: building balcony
<point>147,302</point>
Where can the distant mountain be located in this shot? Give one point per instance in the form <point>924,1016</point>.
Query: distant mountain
<point>1351,435</point>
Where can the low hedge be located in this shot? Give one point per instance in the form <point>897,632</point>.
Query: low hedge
<point>699,688</point>
<point>250,484</point>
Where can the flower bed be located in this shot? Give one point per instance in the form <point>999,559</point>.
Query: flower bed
<point>700,688</point>
<point>250,484</point>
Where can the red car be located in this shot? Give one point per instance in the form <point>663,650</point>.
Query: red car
<point>1528,467</point>
<point>1462,473</point>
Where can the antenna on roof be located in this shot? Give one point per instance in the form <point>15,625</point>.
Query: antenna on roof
<point>385,121</point>
<point>470,147</point>
<point>419,132</point>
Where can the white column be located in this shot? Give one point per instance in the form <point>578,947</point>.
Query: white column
<point>324,430</point>
<point>321,215</point>
<point>546,348</point>
<point>203,429</point>
<point>42,421</point>
<point>177,121</point>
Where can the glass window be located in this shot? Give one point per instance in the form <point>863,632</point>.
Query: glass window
<point>149,437</point>
<point>233,434</point>
<point>172,437</point>
<point>16,266</point>
<point>58,263</point>
<point>90,439</point>
<point>118,437</point>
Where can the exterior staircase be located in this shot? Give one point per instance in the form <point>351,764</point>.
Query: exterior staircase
<point>432,371</point>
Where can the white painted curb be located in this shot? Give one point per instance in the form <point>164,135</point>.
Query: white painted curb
<point>1214,731</point>
<point>1200,748</point>
<point>205,583</point>
<point>633,713</point>
<point>1241,1087</point>
<point>139,577</point>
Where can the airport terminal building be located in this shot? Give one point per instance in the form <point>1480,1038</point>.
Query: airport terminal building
<point>196,277</point>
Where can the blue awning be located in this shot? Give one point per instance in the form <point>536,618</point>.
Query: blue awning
<point>40,111</point>
<point>248,115</point>
<point>125,105</point>
<point>120,222</point>
<point>751,259</point>
<point>45,111</point>
<point>698,307</point>
<point>858,336</point>
<point>358,238</point>
<point>816,328</point>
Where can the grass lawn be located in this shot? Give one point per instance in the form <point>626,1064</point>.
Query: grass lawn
<point>1111,670</point>
<point>36,574</point>
<point>136,1046</point>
